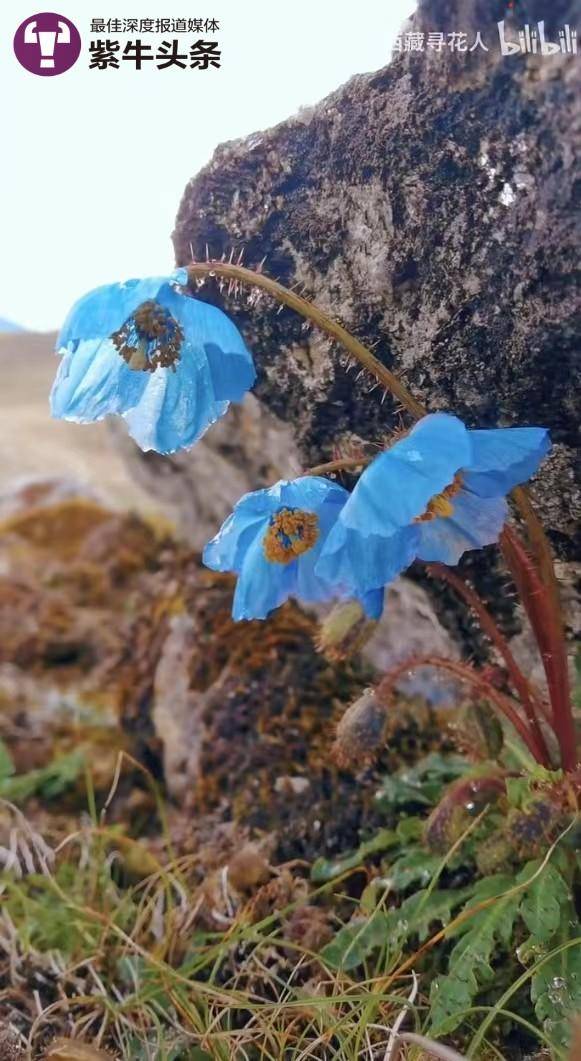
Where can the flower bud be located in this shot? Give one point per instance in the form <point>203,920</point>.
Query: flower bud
<point>360,733</point>
<point>344,631</point>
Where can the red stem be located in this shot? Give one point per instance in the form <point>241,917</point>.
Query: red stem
<point>503,703</point>
<point>539,605</point>
<point>522,687</point>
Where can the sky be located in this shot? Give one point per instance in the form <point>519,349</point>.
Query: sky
<point>94,162</point>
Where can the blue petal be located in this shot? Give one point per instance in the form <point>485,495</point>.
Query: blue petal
<point>102,311</point>
<point>310,492</point>
<point>372,604</point>
<point>226,551</point>
<point>476,521</point>
<point>307,583</point>
<point>397,485</point>
<point>261,586</point>
<point>359,563</point>
<point>94,380</point>
<point>177,406</point>
<point>231,365</point>
<point>504,457</point>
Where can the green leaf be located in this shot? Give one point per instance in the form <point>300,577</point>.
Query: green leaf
<point>518,791</point>
<point>556,991</point>
<point>421,784</point>
<point>392,928</point>
<point>417,865</point>
<point>6,764</point>
<point>577,682</point>
<point>470,960</point>
<point>355,942</point>
<point>325,869</point>
<point>410,829</point>
<point>48,781</point>
<point>424,908</point>
<point>542,904</point>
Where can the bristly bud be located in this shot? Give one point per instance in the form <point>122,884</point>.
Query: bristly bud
<point>360,733</point>
<point>344,631</point>
<point>462,800</point>
<point>526,834</point>
<point>532,829</point>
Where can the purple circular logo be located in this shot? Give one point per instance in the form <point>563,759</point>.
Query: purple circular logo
<point>47,44</point>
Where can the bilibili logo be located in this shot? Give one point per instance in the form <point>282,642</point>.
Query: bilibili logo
<point>47,44</point>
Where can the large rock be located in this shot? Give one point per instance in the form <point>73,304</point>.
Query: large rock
<point>432,207</point>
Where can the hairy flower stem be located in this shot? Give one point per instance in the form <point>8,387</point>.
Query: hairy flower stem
<point>340,465</point>
<point>200,270</point>
<point>502,703</point>
<point>489,627</point>
<point>540,547</point>
<point>537,601</point>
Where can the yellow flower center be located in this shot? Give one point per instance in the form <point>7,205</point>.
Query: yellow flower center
<point>290,533</point>
<point>440,505</point>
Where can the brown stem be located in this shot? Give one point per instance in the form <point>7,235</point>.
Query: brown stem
<point>489,627</point>
<point>342,464</point>
<point>460,670</point>
<point>229,270</point>
<point>537,601</point>
<point>539,544</point>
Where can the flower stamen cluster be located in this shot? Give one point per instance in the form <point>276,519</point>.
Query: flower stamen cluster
<point>440,504</point>
<point>151,338</point>
<point>290,533</point>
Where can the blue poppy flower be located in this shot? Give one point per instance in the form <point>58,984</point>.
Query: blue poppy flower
<point>436,493</point>
<point>166,362</point>
<point>272,541</point>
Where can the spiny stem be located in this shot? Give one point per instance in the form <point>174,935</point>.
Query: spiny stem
<point>540,546</point>
<point>342,464</point>
<point>503,703</point>
<point>199,270</point>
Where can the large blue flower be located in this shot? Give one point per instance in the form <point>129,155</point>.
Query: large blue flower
<point>165,361</point>
<point>436,493</point>
<point>272,541</point>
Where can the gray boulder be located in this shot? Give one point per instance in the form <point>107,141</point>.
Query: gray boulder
<point>433,208</point>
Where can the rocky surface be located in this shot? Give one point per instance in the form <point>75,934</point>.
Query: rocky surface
<point>432,207</point>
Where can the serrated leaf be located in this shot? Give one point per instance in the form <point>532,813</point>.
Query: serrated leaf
<point>542,904</point>
<point>470,960</point>
<point>416,866</point>
<point>356,941</point>
<point>325,869</point>
<point>424,908</point>
<point>392,928</point>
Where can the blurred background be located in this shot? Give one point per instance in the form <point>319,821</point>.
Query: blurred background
<point>95,166</point>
